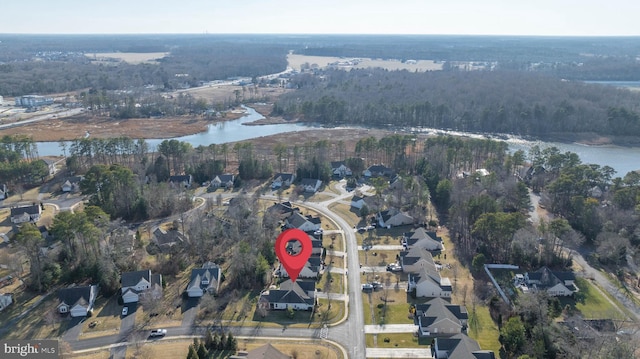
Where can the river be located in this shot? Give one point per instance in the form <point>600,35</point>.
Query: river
<point>622,159</point>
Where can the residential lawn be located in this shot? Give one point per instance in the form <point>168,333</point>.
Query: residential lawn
<point>317,197</point>
<point>180,348</point>
<point>103,354</point>
<point>383,236</point>
<point>591,302</point>
<point>335,239</point>
<point>376,258</point>
<point>106,315</point>
<point>483,329</point>
<point>347,213</point>
<point>332,187</point>
<point>334,261</point>
<point>398,303</point>
<point>337,282</point>
<point>42,322</point>
<point>399,340</point>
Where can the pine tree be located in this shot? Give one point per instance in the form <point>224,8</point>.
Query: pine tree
<point>202,351</point>
<point>208,340</point>
<point>223,341</point>
<point>193,354</point>
<point>232,343</point>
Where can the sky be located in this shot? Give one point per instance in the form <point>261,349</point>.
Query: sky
<point>441,17</point>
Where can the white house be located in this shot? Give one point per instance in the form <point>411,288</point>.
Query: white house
<point>72,184</point>
<point>140,283</point>
<point>204,280</point>
<point>311,185</point>
<point>26,214</point>
<point>377,171</point>
<point>77,301</point>
<point>438,317</point>
<point>4,193</point>
<point>423,276</point>
<point>422,239</point>
<point>223,181</point>
<point>557,284</point>
<point>298,295</point>
<point>340,169</point>
<point>282,180</point>
<point>310,270</point>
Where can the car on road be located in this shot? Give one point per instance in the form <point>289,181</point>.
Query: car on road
<point>158,333</point>
<point>125,311</point>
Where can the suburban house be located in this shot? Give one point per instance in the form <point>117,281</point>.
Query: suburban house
<point>51,165</point>
<point>557,284</point>
<point>438,317</point>
<point>423,276</point>
<point>167,239</point>
<point>266,351</point>
<point>422,239</point>
<point>282,209</point>
<point>340,169</point>
<point>298,295</point>
<point>378,171</point>
<point>4,193</point>
<point>72,184</point>
<point>223,181</point>
<point>5,301</point>
<point>282,180</point>
<point>204,280</point>
<point>140,283</point>
<point>311,185</point>
<point>26,214</point>
<point>301,222</point>
<point>360,201</point>
<point>393,218</point>
<point>183,181</point>
<point>77,301</point>
<point>459,346</point>
<point>310,270</point>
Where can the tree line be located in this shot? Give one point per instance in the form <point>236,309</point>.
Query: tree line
<point>521,103</point>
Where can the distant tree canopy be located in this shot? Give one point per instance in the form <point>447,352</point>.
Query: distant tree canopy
<point>497,101</point>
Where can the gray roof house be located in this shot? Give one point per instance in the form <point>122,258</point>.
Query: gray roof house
<point>438,317</point>
<point>340,169</point>
<point>311,185</point>
<point>77,301</point>
<point>5,301</point>
<point>303,223</point>
<point>140,283</point>
<point>72,184</point>
<point>393,218</point>
<point>4,193</point>
<point>423,239</point>
<point>181,180</point>
<point>423,276</point>
<point>378,170</point>
<point>167,239</point>
<point>266,351</point>
<point>26,214</point>
<point>282,180</point>
<point>223,181</point>
<point>557,284</point>
<point>298,295</point>
<point>459,346</point>
<point>204,280</point>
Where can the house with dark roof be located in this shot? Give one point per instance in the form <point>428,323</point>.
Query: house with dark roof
<point>77,301</point>
<point>459,346</point>
<point>204,280</point>
<point>423,239</point>
<point>557,284</point>
<point>282,209</point>
<point>282,180</point>
<point>26,214</point>
<point>340,169</point>
<point>311,185</point>
<point>72,184</point>
<point>140,283</point>
<point>311,269</point>
<point>266,351</point>
<point>378,171</point>
<point>223,181</point>
<point>167,239</point>
<point>360,201</point>
<point>4,193</point>
<point>303,223</point>
<point>393,218</point>
<point>438,317</point>
<point>183,181</point>
<point>298,295</point>
<point>423,275</point>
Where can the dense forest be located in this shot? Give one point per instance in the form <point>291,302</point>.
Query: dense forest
<point>498,101</point>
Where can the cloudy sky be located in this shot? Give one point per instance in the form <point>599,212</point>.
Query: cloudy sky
<point>487,17</point>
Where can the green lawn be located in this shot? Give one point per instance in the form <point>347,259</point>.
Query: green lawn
<point>483,329</point>
<point>377,258</point>
<point>337,282</point>
<point>400,340</point>
<point>591,302</point>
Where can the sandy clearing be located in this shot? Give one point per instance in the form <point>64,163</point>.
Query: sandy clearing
<point>296,61</point>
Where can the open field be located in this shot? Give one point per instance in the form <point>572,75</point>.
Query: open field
<point>296,62</point>
<point>128,57</point>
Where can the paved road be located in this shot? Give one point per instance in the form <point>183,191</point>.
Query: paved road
<point>47,116</point>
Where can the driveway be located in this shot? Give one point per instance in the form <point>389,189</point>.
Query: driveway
<point>75,328</point>
<point>126,329</point>
<point>191,306</point>
<point>398,353</point>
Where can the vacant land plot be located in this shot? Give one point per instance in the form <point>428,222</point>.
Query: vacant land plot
<point>128,57</point>
<point>297,61</point>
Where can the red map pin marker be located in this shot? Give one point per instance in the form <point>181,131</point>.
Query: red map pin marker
<point>293,263</point>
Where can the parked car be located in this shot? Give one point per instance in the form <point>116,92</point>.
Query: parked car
<point>125,311</point>
<point>367,287</point>
<point>376,285</point>
<point>394,267</point>
<point>158,333</point>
